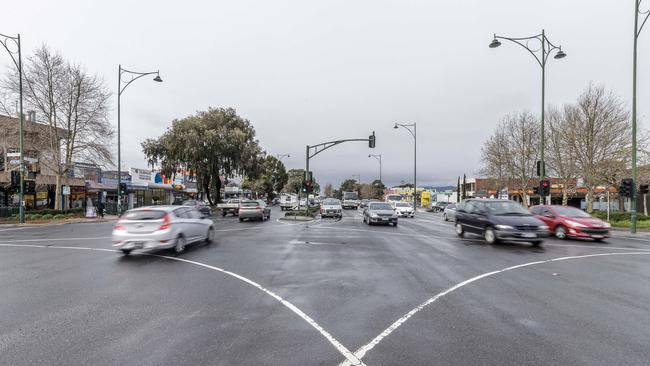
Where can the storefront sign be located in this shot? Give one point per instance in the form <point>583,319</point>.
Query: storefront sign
<point>141,176</point>
<point>65,190</point>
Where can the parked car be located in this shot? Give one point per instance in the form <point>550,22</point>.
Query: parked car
<point>499,220</point>
<point>379,213</point>
<point>439,206</point>
<point>254,210</point>
<point>331,207</point>
<point>229,207</point>
<point>403,209</point>
<point>161,227</point>
<point>199,205</point>
<point>570,222</point>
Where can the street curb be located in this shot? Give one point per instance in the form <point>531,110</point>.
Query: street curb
<point>296,218</point>
<point>56,223</point>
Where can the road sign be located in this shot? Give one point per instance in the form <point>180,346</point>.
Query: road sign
<point>65,190</point>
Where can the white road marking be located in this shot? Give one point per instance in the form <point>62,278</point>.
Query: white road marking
<point>350,357</point>
<point>361,352</point>
<point>56,239</point>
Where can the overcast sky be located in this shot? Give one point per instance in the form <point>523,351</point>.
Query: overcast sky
<point>305,72</point>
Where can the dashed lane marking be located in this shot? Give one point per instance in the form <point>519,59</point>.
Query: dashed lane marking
<point>361,352</point>
<point>351,359</point>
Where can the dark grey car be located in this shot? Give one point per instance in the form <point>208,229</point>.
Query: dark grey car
<point>499,220</point>
<point>379,213</point>
<point>254,210</point>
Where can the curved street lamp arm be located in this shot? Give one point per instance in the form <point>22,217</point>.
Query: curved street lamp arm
<point>4,39</point>
<point>548,46</point>
<point>647,15</point>
<point>134,75</point>
<point>406,127</point>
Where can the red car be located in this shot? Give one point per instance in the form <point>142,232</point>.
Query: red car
<point>566,221</point>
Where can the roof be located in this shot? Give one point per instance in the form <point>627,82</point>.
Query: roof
<point>7,121</point>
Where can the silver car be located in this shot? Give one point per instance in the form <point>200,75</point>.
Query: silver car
<point>379,213</point>
<point>331,207</point>
<point>161,227</point>
<point>254,210</point>
<point>449,214</point>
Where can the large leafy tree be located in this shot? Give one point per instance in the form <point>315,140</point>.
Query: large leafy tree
<point>210,144</point>
<point>271,177</point>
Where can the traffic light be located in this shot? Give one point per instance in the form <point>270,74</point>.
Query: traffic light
<point>123,187</point>
<point>308,183</point>
<point>539,168</point>
<point>30,187</point>
<point>15,180</point>
<point>372,140</point>
<point>544,187</point>
<point>643,188</point>
<point>625,189</point>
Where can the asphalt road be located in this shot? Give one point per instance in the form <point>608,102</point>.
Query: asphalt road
<point>328,292</point>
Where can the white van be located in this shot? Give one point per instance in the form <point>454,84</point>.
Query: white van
<point>288,201</point>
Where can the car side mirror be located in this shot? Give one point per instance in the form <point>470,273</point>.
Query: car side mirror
<point>550,216</point>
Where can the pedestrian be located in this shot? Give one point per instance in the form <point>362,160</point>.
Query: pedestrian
<point>100,209</point>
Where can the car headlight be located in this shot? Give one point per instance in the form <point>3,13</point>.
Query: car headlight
<point>503,227</point>
<point>543,227</point>
<point>372,214</point>
<point>574,224</point>
<point>607,224</point>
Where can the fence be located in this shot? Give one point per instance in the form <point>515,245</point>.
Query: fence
<point>8,211</point>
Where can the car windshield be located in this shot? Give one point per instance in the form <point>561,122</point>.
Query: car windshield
<point>402,204</point>
<point>380,206</point>
<point>144,215</point>
<point>570,212</point>
<point>189,203</point>
<point>504,208</point>
<point>331,202</point>
<point>250,203</point>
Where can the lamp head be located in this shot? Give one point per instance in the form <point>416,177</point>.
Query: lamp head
<point>560,54</point>
<point>395,127</point>
<point>495,43</point>
<point>157,79</point>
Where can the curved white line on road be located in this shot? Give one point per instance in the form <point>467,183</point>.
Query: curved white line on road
<point>350,357</point>
<point>361,352</point>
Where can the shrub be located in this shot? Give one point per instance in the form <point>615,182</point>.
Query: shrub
<point>47,217</point>
<point>59,217</point>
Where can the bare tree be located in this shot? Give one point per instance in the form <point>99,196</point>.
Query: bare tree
<point>560,156</point>
<point>511,152</point>
<point>72,106</point>
<point>599,134</point>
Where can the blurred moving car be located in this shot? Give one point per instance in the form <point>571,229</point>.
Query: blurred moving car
<point>403,209</point>
<point>229,207</point>
<point>254,210</point>
<point>331,207</point>
<point>379,213</point>
<point>449,213</point>
<point>499,220</point>
<point>161,227</point>
<point>439,206</point>
<point>570,222</point>
<point>199,205</point>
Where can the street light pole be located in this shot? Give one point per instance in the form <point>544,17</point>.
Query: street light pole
<point>546,47</point>
<point>132,76</point>
<point>4,39</point>
<point>281,156</point>
<point>637,32</point>
<point>413,133</point>
<point>378,158</point>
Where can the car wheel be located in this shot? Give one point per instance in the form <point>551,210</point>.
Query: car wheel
<point>536,243</point>
<point>126,251</point>
<point>223,213</point>
<point>179,247</point>
<point>460,231</point>
<point>241,220</point>
<point>444,217</point>
<point>490,236</point>
<point>560,232</point>
<point>599,240</point>
<point>211,235</point>
<point>395,224</point>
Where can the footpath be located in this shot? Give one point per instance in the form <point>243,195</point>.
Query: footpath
<point>73,220</point>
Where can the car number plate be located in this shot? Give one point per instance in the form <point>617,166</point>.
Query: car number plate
<point>529,235</point>
<point>384,219</point>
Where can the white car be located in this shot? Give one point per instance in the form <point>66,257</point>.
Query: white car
<point>161,227</point>
<point>403,209</point>
<point>331,207</point>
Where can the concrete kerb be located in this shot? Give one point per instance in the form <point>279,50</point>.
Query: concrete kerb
<point>60,222</point>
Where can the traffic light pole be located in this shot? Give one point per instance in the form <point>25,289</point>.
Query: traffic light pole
<point>314,150</point>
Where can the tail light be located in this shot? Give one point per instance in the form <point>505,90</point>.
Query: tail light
<point>165,225</point>
<point>258,207</point>
<point>118,227</point>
